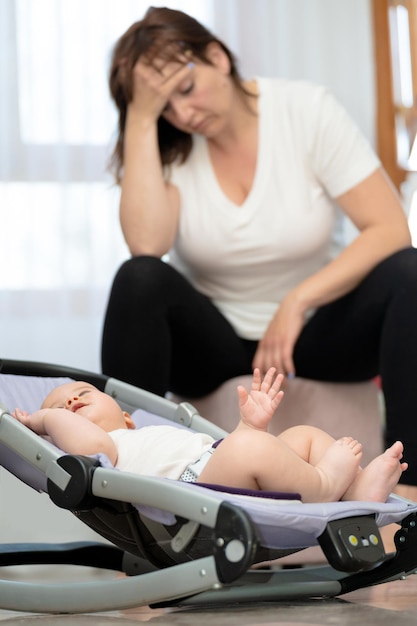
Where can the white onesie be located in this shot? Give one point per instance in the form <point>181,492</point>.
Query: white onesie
<point>159,450</point>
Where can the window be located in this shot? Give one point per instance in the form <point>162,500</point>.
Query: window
<point>403,45</point>
<point>63,53</point>
<point>395,35</point>
<point>58,205</point>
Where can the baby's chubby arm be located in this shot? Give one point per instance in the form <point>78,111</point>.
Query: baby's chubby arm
<point>258,406</point>
<point>69,431</point>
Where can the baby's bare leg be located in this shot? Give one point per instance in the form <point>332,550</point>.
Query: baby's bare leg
<point>309,442</point>
<point>257,460</point>
<point>377,480</point>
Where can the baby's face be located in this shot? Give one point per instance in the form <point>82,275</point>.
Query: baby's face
<point>87,401</point>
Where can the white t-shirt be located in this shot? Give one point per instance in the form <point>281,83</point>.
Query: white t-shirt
<point>247,258</point>
<point>158,450</point>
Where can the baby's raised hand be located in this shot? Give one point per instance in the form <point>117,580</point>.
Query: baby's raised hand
<point>258,406</point>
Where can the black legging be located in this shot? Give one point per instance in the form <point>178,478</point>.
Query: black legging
<point>161,334</point>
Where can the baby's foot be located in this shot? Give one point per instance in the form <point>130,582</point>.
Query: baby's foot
<point>377,480</point>
<point>338,467</point>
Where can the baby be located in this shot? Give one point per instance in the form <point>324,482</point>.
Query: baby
<point>80,419</point>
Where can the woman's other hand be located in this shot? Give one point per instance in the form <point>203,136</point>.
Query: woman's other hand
<point>277,345</point>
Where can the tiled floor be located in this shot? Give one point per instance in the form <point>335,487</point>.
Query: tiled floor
<point>382,605</point>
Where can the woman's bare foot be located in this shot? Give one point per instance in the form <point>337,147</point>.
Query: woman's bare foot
<point>377,480</point>
<point>338,467</point>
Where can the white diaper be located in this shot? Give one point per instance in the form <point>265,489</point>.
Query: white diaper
<point>193,471</point>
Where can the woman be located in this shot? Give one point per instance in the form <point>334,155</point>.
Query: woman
<point>240,182</point>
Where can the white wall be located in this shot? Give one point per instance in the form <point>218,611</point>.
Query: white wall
<point>327,41</point>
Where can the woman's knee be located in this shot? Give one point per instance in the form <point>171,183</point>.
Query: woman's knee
<point>142,274</point>
<point>139,269</point>
<point>401,267</point>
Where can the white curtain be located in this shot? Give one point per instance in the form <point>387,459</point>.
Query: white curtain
<point>60,237</point>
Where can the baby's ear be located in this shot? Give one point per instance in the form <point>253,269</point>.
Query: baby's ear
<point>129,422</point>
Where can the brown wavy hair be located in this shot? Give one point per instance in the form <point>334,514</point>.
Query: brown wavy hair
<point>163,33</point>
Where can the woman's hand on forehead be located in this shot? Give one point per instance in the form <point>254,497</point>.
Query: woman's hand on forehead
<point>154,84</point>
<point>168,64</point>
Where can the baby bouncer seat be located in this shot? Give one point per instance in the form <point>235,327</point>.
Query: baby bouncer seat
<point>179,543</point>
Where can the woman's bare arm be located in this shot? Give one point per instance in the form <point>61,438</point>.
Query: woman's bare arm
<point>149,206</point>
<point>375,209</point>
